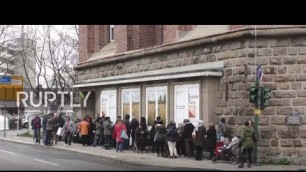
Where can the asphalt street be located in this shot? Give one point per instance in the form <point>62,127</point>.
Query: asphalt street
<point>14,156</point>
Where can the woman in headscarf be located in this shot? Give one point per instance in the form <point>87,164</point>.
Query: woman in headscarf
<point>200,131</point>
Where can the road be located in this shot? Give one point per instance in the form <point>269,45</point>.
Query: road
<point>14,156</point>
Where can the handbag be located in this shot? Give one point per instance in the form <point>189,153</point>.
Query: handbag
<point>124,135</point>
<point>60,131</point>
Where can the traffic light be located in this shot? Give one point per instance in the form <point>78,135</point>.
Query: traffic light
<point>265,95</point>
<point>253,94</point>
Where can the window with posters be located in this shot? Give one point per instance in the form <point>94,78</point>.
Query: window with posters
<point>156,104</point>
<point>186,102</point>
<point>108,104</point>
<point>131,103</point>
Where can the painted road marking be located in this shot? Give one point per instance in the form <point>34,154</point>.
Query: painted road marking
<point>12,153</point>
<point>45,162</point>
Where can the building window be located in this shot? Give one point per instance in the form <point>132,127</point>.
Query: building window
<point>111,33</point>
<point>156,104</point>
<point>131,103</point>
<point>108,104</point>
<point>186,102</point>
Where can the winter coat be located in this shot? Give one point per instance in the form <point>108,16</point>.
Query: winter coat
<point>36,123</point>
<point>200,136</point>
<point>128,127</point>
<point>50,124</point>
<point>188,129</point>
<point>246,137</point>
<point>141,134</point>
<point>172,135</point>
<point>134,125</point>
<point>70,126</point>
<point>160,132</point>
<point>55,124</point>
<point>98,128</point>
<point>211,137</point>
<point>221,130</point>
<point>84,128</point>
<point>119,127</point>
<point>61,122</point>
<point>107,127</point>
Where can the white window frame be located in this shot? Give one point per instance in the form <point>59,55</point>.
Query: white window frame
<point>130,90</point>
<point>156,103</point>
<point>111,33</point>
<point>108,92</point>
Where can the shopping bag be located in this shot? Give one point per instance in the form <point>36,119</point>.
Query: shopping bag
<point>124,135</point>
<point>60,131</point>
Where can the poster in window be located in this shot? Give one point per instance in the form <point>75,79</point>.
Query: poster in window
<point>104,104</point>
<point>193,101</point>
<point>180,111</point>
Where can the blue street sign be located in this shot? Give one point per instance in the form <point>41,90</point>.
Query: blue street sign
<point>259,73</point>
<point>5,80</point>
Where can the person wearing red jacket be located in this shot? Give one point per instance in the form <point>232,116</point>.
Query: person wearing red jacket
<point>119,127</point>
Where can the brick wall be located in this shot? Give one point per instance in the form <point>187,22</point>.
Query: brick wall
<point>169,33</point>
<point>284,65</point>
<point>120,35</point>
<point>87,41</point>
<point>101,36</point>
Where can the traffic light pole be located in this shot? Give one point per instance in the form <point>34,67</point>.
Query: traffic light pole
<point>256,121</point>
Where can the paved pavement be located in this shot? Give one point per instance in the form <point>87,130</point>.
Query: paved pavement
<point>129,157</point>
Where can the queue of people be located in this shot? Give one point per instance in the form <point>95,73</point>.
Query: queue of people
<point>173,141</point>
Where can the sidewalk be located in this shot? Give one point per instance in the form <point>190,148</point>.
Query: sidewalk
<point>150,159</point>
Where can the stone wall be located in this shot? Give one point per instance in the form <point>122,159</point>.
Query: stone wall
<point>283,58</point>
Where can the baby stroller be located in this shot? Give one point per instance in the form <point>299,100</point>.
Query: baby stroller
<point>140,141</point>
<point>230,152</point>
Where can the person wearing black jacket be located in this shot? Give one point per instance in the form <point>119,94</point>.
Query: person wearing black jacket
<point>61,123</point>
<point>134,125</point>
<point>128,127</point>
<point>211,140</point>
<point>152,134</point>
<point>187,136</point>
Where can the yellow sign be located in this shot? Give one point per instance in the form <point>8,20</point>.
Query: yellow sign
<point>257,111</point>
<point>9,86</point>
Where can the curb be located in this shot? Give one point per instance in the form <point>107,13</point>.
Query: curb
<point>100,156</point>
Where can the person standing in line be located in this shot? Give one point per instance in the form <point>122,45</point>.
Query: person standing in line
<point>119,127</point>
<point>84,131</point>
<point>128,127</point>
<point>36,125</point>
<point>187,135</point>
<point>200,131</point>
<point>44,125</point>
<point>68,127</point>
<point>98,132</point>
<point>211,140</point>
<point>49,129</point>
<point>55,128</point>
<point>159,138</point>
<point>134,125</point>
<point>221,129</point>
<point>172,137</point>
<point>247,144</point>
<point>107,133</point>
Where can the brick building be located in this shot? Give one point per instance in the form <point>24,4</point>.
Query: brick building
<point>199,72</point>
